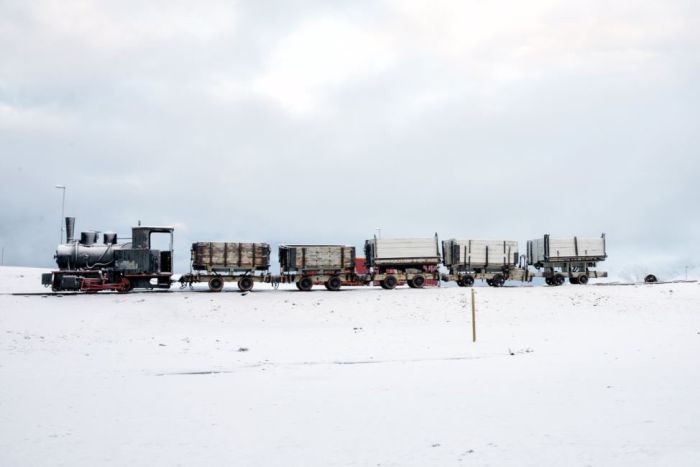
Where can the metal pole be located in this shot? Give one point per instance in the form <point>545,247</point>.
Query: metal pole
<point>379,232</point>
<point>473,317</point>
<point>2,257</point>
<point>63,206</point>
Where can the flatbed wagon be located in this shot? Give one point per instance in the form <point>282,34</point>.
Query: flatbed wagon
<point>570,257</point>
<point>396,261</point>
<point>493,261</point>
<point>332,266</point>
<point>494,278</point>
<point>217,263</point>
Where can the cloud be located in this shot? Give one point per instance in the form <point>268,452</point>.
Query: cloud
<point>266,121</point>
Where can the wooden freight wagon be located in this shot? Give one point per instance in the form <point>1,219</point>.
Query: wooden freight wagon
<point>572,257</point>
<point>494,261</point>
<point>230,257</point>
<point>394,261</point>
<point>219,262</point>
<point>309,265</point>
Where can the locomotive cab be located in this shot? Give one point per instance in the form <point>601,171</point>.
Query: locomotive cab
<point>141,239</point>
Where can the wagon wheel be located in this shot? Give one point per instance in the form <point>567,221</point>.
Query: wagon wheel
<point>558,279</point>
<point>489,282</point>
<point>305,284</point>
<point>297,284</point>
<point>390,282</point>
<point>418,282</point>
<point>383,284</point>
<point>334,283</point>
<point>216,284</point>
<point>583,279</point>
<point>573,280</point>
<point>245,284</point>
<point>461,283</point>
<point>650,279</point>
<point>498,280</point>
<point>548,281</point>
<point>411,284</point>
<point>468,281</point>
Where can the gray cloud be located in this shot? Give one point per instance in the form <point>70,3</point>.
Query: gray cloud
<point>265,121</point>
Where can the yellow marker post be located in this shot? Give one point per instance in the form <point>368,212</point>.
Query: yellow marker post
<point>473,317</point>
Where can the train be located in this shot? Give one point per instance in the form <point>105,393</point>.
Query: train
<point>87,265</point>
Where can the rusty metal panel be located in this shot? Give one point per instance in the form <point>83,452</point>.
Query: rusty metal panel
<point>137,261</point>
<point>141,237</point>
<point>230,256</point>
<point>317,257</point>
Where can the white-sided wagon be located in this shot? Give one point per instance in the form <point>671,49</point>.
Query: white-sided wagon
<point>574,258</point>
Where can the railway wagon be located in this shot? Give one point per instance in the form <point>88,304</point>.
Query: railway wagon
<point>567,257</point>
<point>395,261</point>
<point>219,262</point>
<point>494,261</point>
<point>309,265</point>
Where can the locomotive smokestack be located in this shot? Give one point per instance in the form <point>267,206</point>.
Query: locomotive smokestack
<point>70,226</point>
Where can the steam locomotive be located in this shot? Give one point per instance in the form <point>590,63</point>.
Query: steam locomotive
<point>89,266</point>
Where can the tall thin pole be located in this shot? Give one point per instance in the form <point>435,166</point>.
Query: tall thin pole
<point>473,317</point>
<point>2,257</point>
<point>63,206</point>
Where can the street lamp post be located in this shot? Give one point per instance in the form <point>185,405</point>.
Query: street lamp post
<point>63,206</point>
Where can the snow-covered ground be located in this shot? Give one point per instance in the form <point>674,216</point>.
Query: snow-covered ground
<point>574,375</point>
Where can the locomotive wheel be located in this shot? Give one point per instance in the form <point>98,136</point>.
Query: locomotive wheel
<point>558,279</point>
<point>334,283</point>
<point>418,282</point>
<point>468,281</point>
<point>305,284</point>
<point>216,284</point>
<point>245,284</point>
<point>411,284</point>
<point>126,286</point>
<point>583,279</point>
<point>390,282</point>
<point>498,280</point>
<point>461,283</point>
<point>573,280</point>
<point>650,279</point>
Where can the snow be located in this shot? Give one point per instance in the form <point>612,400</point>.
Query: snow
<point>573,375</point>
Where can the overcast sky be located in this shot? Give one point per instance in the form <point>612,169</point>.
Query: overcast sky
<point>320,121</point>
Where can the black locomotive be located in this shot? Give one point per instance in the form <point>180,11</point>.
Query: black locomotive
<point>89,266</point>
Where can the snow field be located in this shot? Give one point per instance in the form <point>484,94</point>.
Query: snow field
<point>594,375</point>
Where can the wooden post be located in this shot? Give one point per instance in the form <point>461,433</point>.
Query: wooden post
<point>473,317</point>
